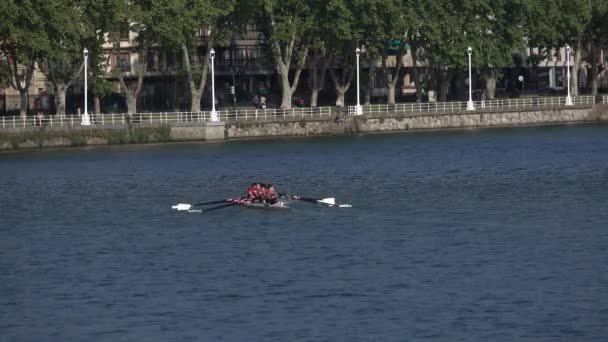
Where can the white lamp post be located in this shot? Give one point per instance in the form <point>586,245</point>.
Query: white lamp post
<point>359,109</point>
<point>568,98</point>
<point>85,120</point>
<point>213,112</point>
<point>470,105</point>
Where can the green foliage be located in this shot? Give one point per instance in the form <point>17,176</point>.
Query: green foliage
<point>54,32</point>
<point>554,23</point>
<point>101,86</point>
<point>535,59</point>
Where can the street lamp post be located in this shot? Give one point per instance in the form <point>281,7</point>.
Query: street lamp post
<point>213,112</point>
<point>85,120</point>
<point>359,109</point>
<point>470,105</point>
<point>568,98</point>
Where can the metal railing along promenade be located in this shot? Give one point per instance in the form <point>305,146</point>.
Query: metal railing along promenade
<point>605,99</point>
<point>461,106</point>
<point>288,114</point>
<point>167,117</point>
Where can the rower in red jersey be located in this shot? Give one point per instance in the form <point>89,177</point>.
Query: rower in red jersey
<point>271,196</point>
<point>266,193</point>
<point>255,192</point>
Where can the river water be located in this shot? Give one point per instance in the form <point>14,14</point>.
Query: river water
<point>479,235</point>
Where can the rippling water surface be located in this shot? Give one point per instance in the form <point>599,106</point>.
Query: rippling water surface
<point>491,235</point>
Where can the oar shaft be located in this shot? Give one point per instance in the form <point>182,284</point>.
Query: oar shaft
<point>220,206</point>
<point>211,202</point>
<point>232,201</point>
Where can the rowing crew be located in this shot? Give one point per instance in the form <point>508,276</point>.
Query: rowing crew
<point>264,193</point>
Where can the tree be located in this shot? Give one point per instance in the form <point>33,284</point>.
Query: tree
<point>67,29</point>
<point>596,38</point>
<point>395,26</point>
<point>445,42</point>
<point>6,29</point>
<point>371,32</point>
<point>555,23</point>
<point>24,40</point>
<point>495,32</point>
<point>104,18</point>
<point>147,20</point>
<point>287,24</point>
<point>320,56</point>
<point>338,29</point>
<point>576,17</point>
<point>416,28</point>
<point>377,24</point>
<point>220,19</point>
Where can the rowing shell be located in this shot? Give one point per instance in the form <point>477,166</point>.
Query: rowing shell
<point>260,205</point>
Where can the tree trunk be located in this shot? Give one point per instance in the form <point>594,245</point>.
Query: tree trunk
<point>285,89</point>
<point>196,95</point>
<point>312,85</point>
<point>97,104</point>
<point>340,91</point>
<point>391,84</point>
<point>416,73</point>
<point>132,94</point>
<point>313,97</point>
<point>13,78</point>
<point>61,84</point>
<point>390,92</point>
<point>343,84</point>
<point>24,104</point>
<point>594,69</point>
<point>575,65</point>
<point>392,77</point>
<point>490,87</point>
<point>282,53</point>
<point>60,92</point>
<point>370,82</point>
<point>316,81</point>
<point>443,90</point>
<point>131,103</point>
<point>444,83</point>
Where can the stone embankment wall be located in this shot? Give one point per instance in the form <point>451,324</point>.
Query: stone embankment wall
<point>40,137</point>
<point>37,137</point>
<point>485,119</point>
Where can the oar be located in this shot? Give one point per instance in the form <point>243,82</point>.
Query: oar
<point>221,206</point>
<point>187,206</point>
<point>330,202</point>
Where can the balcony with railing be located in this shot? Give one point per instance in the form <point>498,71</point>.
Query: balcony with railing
<point>243,59</point>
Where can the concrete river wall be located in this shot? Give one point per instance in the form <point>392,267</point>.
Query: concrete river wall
<point>37,137</point>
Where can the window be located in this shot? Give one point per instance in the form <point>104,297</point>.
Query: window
<point>152,60</point>
<point>122,61</point>
<point>379,80</point>
<point>124,32</point>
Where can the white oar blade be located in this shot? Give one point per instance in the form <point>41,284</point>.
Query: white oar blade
<point>182,206</point>
<point>330,201</point>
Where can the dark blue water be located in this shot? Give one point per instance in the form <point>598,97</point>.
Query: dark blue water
<point>492,235</point>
